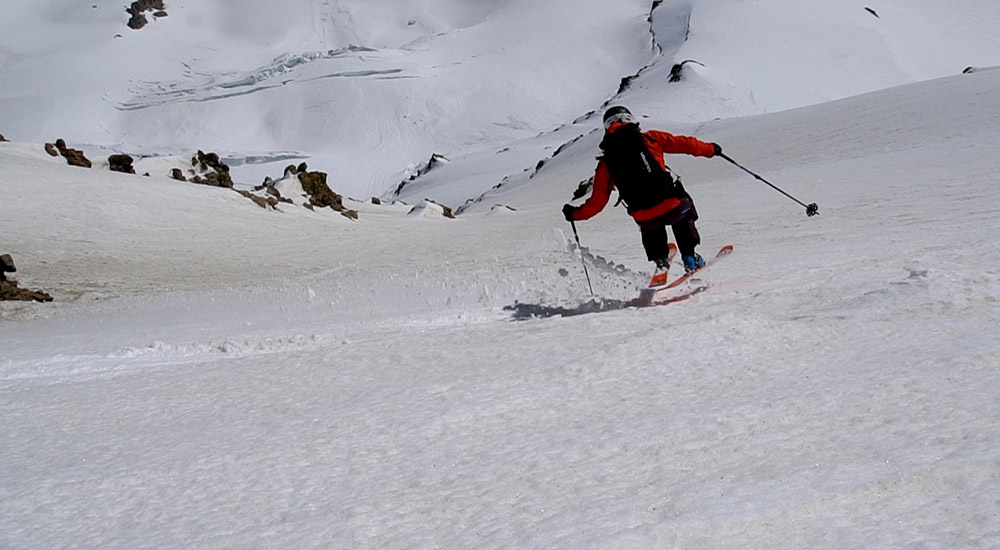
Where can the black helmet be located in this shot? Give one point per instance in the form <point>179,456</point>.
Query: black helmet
<point>617,114</point>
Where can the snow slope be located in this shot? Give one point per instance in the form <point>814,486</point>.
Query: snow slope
<point>214,375</point>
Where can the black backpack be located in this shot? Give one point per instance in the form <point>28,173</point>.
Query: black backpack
<point>641,182</point>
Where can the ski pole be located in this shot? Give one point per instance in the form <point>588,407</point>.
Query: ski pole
<point>579,246</point>
<point>812,209</point>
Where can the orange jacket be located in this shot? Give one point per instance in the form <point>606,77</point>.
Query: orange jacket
<point>658,143</point>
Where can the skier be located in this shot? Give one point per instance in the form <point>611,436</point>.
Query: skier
<point>632,162</point>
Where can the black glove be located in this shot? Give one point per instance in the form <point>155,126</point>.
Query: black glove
<point>718,149</point>
<point>568,211</point>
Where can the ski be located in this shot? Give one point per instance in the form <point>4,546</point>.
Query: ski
<point>660,279</point>
<point>671,292</point>
<point>722,253</point>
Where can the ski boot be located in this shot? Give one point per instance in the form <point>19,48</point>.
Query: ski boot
<point>693,262</point>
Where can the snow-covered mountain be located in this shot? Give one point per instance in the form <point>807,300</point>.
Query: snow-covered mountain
<point>213,374</point>
<point>369,90</point>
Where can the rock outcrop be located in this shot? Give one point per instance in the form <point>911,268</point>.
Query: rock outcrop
<point>9,289</point>
<point>6,266</point>
<point>213,171</point>
<point>301,187</point>
<point>677,71</point>
<point>320,194</point>
<point>137,12</point>
<point>435,161</point>
<point>10,292</point>
<point>121,163</point>
<point>74,157</point>
<point>431,209</point>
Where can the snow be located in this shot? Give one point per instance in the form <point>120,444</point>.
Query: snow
<point>216,375</point>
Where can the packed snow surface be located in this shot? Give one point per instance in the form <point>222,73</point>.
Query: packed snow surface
<point>217,375</point>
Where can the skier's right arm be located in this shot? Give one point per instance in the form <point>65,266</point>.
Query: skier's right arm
<point>599,195</point>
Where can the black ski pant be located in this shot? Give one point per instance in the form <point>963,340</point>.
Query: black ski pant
<point>681,221</point>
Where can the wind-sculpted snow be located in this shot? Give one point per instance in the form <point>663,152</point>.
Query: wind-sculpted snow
<point>286,69</point>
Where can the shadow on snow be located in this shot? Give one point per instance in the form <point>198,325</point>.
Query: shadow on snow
<point>522,312</point>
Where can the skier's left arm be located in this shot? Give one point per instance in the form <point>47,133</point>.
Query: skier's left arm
<point>671,144</point>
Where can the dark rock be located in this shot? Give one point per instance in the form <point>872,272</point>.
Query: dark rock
<point>320,194</point>
<point>150,5</point>
<point>218,171</point>
<point>352,214</point>
<point>10,292</point>
<point>2,138</point>
<point>221,179</point>
<point>208,160</point>
<point>51,149</point>
<point>259,201</point>
<point>74,157</point>
<point>425,206</point>
<point>435,161</point>
<point>121,163</point>
<point>677,71</point>
<point>139,7</point>
<point>302,168</point>
<point>137,21</point>
<point>6,266</point>
<point>871,11</point>
<point>626,83</point>
<point>177,174</point>
<point>9,289</point>
<point>263,202</point>
<point>376,200</point>
<point>583,188</point>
